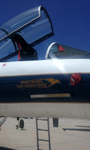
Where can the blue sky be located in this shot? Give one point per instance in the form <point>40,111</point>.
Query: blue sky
<point>70,19</point>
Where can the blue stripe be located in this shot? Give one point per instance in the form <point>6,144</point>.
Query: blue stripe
<point>19,88</point>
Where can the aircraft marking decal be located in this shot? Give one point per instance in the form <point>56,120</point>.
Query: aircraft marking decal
<point>50,95</point>
<point>38,83</point>
<point>4,65</point>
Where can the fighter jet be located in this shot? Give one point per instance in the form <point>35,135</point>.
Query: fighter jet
<point>57,86</point>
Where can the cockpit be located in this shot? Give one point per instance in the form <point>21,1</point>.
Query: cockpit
<point>56,50</point>
<point>20,34</point>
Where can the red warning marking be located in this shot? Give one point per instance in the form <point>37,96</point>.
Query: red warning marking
<point>4,65</point>
<point>75,78</point>
<point>19,48</point>
<point>61,49</point>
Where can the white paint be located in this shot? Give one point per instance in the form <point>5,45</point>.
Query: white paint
<point>44,67</point>
<point>50,95</point>
<point>67,110</point>
<point>48,50</point>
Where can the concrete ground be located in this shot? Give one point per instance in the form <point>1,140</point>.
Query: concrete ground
<point>72,134</point>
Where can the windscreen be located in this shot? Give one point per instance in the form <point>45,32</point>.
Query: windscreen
<point>56,50</point>
<point>6,47</point>
<point>20,20</point>
<point>33,25</point>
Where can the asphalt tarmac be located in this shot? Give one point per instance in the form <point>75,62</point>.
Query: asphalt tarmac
<point>71,134</point>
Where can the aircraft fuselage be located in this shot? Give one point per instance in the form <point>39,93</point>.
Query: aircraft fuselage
<point>42,88</point>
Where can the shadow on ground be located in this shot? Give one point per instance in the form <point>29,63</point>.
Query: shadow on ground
<point>5,148</point>
<point>76,129</point>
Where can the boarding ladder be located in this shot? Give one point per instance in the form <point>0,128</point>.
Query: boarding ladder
<point>38,130</point>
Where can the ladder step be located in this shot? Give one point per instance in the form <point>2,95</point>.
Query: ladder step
<point>42,130</point>
<point>43,140</point>
<point>42,119</point>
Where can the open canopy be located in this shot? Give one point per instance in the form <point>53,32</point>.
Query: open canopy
<point>33,25</point>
